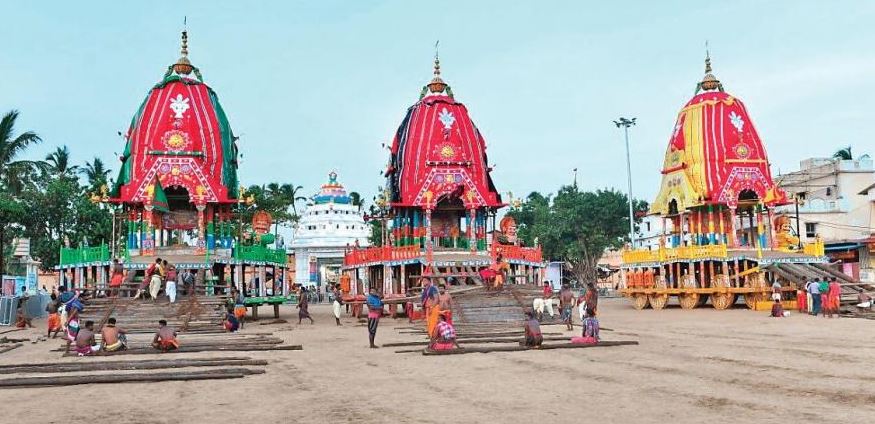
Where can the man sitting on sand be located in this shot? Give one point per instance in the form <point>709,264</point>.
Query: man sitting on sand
<point>231,323</point>
<point>113,338</point>
<point>777,309</point>
<point>165,338</point>
<point>590,334</point>
<point>85,343</point>
<point>533,331</point>
<point>865,300</point>
<point>445,338</point>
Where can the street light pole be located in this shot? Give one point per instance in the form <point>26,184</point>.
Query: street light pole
<point>625,124</point>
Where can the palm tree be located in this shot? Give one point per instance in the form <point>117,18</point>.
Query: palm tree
<point>59,162</point>
<point>285,196</point>
<point>96,173</point>
<point>844,154</point>
<point>356,199</point>
<point>12,171</point>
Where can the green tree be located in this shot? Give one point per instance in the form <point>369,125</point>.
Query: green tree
<point>576,226</point>
<point>14,174</point>
<point>844,154</point>
<point>356,199</point>
<point>11,211</point>
<point>59,162</point>
<point>12,169</point>
<point>96,173</point>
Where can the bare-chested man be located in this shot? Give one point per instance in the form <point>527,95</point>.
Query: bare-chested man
<point>113,338</point>
<point>165,338</point>
<point>85,343</point>
<point>566,302</point>
<point>445,302</point>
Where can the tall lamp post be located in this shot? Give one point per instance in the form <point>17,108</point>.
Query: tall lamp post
<point>625,124</point>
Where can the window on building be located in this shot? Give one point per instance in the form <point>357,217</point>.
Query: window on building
<point>801,195</point>
<point>829,191</point>
<point>810,229</point>
<point>648,226</point>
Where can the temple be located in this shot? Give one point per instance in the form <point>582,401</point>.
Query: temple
<point>717,200</point>
<point>331,223</point>
<point>177,189</point>
<point>440,204</point>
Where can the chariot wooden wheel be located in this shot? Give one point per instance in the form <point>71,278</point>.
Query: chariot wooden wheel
<point>639,301</point>
<point>722,301</point>
<point>688,300</point>
<point>751,299</point>
<point>658,301</point>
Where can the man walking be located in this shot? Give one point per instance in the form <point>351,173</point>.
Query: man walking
<point>814,292</point>
<point>566,300</point>
<point>375,311</point>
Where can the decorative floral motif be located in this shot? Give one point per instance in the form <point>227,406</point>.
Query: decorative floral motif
<point>736,121</point>
<point>179,105</point>
<point>175,140</point>
<point>742,150</point>
<point>446,117</point>
<point>447,151</point>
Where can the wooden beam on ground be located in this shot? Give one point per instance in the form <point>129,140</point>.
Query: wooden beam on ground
<point>476,341</point>
<point>191,349</point>
<point>5,349</point>
<point>128,365</point>
<point>521,348</point>
<point>127,378</point>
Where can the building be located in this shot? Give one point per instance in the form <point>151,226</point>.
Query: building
<point>836,202</point>
<point>328,227</point>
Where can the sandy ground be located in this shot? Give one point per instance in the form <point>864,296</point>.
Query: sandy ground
<point>691,367</point>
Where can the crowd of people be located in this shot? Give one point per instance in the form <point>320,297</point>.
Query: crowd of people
<point>818,296</point>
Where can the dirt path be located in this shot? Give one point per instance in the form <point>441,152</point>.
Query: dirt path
<point>691,367</point>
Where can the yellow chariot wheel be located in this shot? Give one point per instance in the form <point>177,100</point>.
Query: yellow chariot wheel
<point>751,299</point>
<point>658,301</point>
<point>639,301</point>
<point>688,300</point>
<point>722,301</point>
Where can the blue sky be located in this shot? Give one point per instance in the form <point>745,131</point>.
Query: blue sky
<point>315,86</point>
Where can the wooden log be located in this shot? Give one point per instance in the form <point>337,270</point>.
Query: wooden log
<point>5,349</point>
<point>43,365</point>
<point>129,365</point>
<point>475,341</point>
<point>192,349</point>
<point>127,378</point>
<point>521,348</point>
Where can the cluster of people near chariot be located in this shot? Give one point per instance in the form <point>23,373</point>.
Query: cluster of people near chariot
<point>65,309</point>
<point>817,296</point>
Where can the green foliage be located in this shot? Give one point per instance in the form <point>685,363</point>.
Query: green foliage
<point>14,172</point>
<point>97,174</point>
<point>575,226</point>
<point>844,154</point>
<point>44,201</point>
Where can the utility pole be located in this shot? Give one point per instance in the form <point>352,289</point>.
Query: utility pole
<point>625,124</point>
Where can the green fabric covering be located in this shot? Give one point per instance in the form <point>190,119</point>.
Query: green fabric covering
<point>159,199</point>
<point>229,149</point>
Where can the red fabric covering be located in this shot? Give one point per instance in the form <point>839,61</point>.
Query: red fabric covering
<point>438,150</point>
<point>584,340</point>
<point>192,134</point>
<point>721,150</point>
